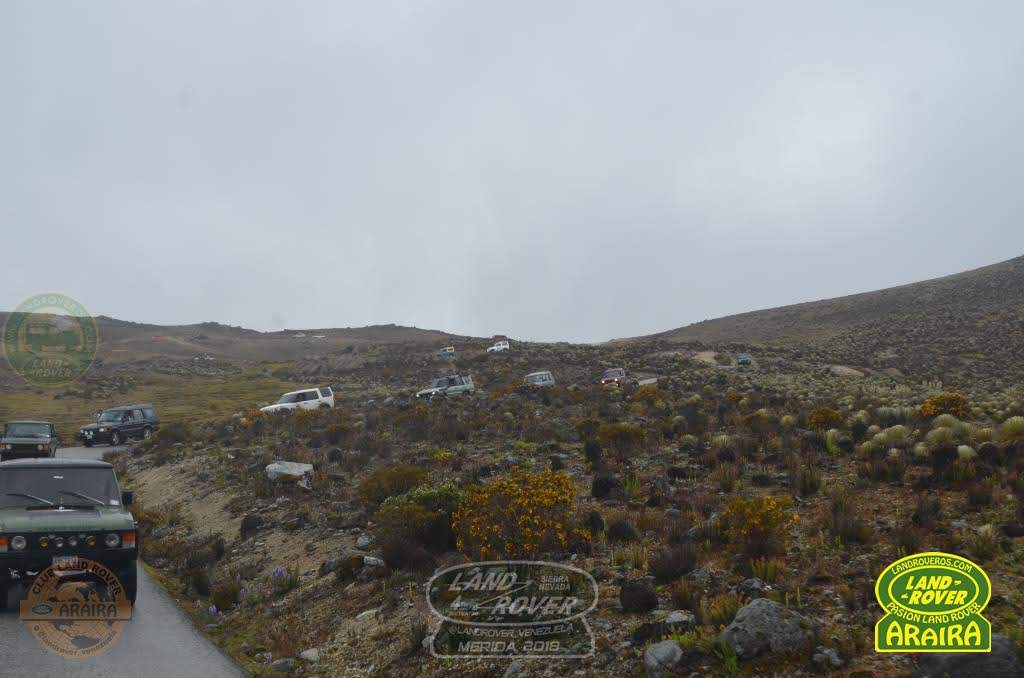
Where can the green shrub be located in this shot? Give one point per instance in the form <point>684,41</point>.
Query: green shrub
<point>422,516</point>
<point>1012,430</point>
<point>389,482</point>
<point>623,440</point>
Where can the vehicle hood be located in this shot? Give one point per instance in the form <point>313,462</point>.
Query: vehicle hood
<point>275,407</point>
<point>65,520</point>
<point>96,427</point>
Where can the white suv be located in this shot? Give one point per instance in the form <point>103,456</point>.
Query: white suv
<point>306,399</point>
<point>500,346</point>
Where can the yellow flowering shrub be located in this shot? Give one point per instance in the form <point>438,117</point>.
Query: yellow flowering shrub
<point>521,514</point>
<point>824,418</point>
<point>759,525</point>
<point>950,402</point>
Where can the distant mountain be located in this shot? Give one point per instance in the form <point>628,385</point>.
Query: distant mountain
<point>125,341</point>
<point>958,328</point>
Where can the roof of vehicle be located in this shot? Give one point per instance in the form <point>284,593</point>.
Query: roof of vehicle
<point>534,374</point>
<point>55,462</point>
<point>303,390</point>
<point>614,369</point>
<point>27,421</point>
<point>127,407</point>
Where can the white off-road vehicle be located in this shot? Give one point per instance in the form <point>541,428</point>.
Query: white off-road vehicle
<point>306,399</point>
<point>500,346</point>
<point>451,385</point>
<point>544,378</point>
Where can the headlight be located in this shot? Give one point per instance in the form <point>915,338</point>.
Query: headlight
<point>72,541</point>
<point>112,540</point>
<point>43,542</point>
<point>90,541</point>
<point>103,430</point>
<point>39,447</point>
<point>59,542</point>
<point>18,543</point>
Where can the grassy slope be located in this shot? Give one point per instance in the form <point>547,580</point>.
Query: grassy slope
<point>176,398</point>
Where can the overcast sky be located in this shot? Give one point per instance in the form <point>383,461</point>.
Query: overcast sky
<point>550,170</point>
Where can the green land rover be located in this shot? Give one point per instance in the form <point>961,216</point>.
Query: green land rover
<point>54,509</point>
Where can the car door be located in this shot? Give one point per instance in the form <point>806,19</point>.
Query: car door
<point>309,400</point>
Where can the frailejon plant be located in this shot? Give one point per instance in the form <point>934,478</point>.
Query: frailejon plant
<point>824,418</point>
<point>519,515</point>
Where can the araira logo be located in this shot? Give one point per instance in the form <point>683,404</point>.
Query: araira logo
<point>933,603</point>
<point>42,608</point>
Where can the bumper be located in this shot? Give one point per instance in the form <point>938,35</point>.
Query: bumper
<point>93,436</point>
<point>26,565</point>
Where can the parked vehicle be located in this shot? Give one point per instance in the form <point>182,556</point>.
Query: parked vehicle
<point>544,378</point>
<point>306,399</point>
<point>744,359</point>
<point>22,439</point>
<point>446,352</point>
<point>451,385</point>
<point>614,375</point>
<point>119,424</point>
<point>500,346</point>
<point>54,508</point>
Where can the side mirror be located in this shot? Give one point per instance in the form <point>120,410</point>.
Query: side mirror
<point>126,497</point>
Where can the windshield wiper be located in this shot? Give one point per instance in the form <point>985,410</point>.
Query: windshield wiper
<point>81,496</point>
<point>30,496</point>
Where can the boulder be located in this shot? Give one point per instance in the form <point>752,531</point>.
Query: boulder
<point>312,655</point>
<point>661,658</point>
<point>285,665</point>
<point>301,474</point>
<point>827,659</point>
<point>1001,662</point>
<point>766,627</point>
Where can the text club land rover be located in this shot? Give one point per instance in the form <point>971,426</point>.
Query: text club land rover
<point>118,424</point>
<point>54,509</point>
<point>23,439</point>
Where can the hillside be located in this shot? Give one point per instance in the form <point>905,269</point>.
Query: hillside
<point>956,328</point>
<point>124,341</point>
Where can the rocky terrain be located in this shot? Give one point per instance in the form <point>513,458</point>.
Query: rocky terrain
<point>734,518</point>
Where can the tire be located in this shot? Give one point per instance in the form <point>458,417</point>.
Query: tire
<point>115,438</point>
<point>130,582</point>
<point>146,433</point>
<point>87,443</point>
<point>324,406</point>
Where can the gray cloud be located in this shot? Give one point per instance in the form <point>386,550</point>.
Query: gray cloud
<point>556,171</point>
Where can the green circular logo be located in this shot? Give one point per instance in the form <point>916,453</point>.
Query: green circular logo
<point>50,339</point>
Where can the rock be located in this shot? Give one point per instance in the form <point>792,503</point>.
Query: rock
<point>344,567</point>
<point>312,655</point>
<point>363,542</point>
<point>661,658</point>
<point>301,474</point>
<point>285,665</point>
<point>558,462</point>
<point>766,627</point>
<point>637,597</point>
<point>1001,662</point>
<point>680,620</point>
<point>367,614</point>
<point>517,669</point>
<point>827,659</point>
<point>753,588</point>
<point>250,524</point>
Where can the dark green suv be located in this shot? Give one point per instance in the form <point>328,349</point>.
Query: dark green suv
<point>28,439</point>
<point>53,509</point>
<point>119,424</point>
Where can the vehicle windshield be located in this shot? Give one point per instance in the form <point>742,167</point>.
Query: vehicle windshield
<point>26,430</point>
<point>536,378</point>
<point>439,383</point>
<point>111,415</point>
<point>617,372</point>
<point>48,483</point>
<point>288,398</point>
